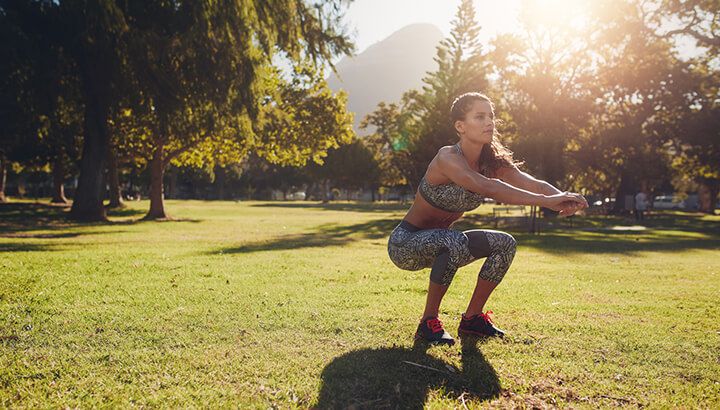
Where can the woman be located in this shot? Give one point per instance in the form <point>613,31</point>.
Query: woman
<point>456,181</point>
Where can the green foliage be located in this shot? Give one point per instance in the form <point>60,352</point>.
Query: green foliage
<point>191,75</point>
<point>410,134</point>
<point>303,122</point>
<point>351,166</point>
<point>390,143</point>
<point>544,73</point>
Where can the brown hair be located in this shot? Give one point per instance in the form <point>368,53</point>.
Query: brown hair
<point>493,155</point>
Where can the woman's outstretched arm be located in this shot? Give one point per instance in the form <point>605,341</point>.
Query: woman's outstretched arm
<point>457,170</point>
<point>513,176</point>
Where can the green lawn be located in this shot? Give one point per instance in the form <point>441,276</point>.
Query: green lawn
<point>272,304</point>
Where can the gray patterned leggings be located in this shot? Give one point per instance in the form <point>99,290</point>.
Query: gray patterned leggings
<point>446,250</point>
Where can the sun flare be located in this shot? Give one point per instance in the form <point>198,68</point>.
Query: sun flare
<point>571,14</point>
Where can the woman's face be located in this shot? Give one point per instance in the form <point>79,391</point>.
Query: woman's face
<point>479,123</point>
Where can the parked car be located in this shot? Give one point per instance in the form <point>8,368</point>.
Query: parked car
<point>668,202</point>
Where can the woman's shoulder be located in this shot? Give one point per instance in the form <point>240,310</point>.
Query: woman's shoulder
<point>448,149</point>
<point>448,152</point>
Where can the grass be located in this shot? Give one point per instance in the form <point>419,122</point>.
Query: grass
<point>267,304</point>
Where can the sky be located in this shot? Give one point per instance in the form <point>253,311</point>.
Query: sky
<point>370,21</point>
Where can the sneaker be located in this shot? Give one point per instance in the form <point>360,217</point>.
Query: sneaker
<point>479,325</point>
<point>431,331</point>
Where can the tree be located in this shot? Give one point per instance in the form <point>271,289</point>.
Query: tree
<point>422,124</point>
<point>695,18</point>
<point>696,144</point>
<point>195,103</point>
<point>389,143</point>
<point>41,102</point>
<point>351,167</point>
<point>543,85</point>
<point>175,58</point>
<point>93,32</point>
<point>645,99</point>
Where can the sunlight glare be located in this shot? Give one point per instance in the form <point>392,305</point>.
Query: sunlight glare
<point>571,14</point>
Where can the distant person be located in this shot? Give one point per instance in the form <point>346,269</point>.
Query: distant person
<point>641,204</point>
<point>456,181</point>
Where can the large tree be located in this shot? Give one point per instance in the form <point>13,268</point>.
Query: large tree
<point>174,57</point>
<point>41,105</point>
<point>196,101</point>
<point>543,74</point>
<point>422,124</point>
<point>645,98</point>
<point>694,145</point>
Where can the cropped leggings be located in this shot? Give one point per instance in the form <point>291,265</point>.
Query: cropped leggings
<point>446,250</point>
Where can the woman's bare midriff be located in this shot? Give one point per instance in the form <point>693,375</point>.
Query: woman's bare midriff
<point>425,216</point>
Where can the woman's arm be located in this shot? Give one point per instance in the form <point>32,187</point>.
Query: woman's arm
<point>456,169</point>
<point>514,176</point>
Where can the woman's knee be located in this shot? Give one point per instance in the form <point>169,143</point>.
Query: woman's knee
<point>503,251</point>
<point>502,242</point>
<point>478,244</point>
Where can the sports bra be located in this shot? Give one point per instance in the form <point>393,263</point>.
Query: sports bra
<point>449,197</point>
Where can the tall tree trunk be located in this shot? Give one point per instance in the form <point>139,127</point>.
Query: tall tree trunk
<point>96,85</point>
<point>157,172</point>
<point>116,200</point>
<point>172,183</point>
<point>708,195</point>
<point>626,187</point>
<point>220,182</point>
<point>58,172</point>
<point>88,200</point>
<point>3,177</point>
<point>310,191</point>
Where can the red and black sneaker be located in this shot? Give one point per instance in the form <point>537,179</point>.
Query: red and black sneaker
<point>430,330</point>
<point>479,325</point>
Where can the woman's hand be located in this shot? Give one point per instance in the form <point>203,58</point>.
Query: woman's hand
<point>569,209</point>
<point>566,202</point>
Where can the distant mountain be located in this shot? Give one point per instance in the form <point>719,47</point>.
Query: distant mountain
<point>388,68</point>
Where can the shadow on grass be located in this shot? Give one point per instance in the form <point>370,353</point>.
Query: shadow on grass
<point>339,206</point>
<point>124,212</point>
<point>24,247</point>
<point>385,378</point>
<point>692,233</point>
<point>23,220</point>
<point>27,216</point>
<point>325,235</point>
<point>616,243</point>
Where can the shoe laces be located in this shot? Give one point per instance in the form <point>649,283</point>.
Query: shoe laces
<point>435,325</point>
<point>487,317</point>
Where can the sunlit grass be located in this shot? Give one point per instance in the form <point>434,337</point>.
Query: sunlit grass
<point>294,304</point>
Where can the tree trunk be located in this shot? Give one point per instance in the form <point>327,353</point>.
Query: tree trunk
<point>3,177</point>
<point>624,188</point>
<point>708,195</point>
<point>58,172</point>
<point>220,182</point>
<point>113,173</point>
<point>310,191</point>
<point>326,195</point>
<point>157,171</point>
<point>88,200</point>
<point>172,183</point>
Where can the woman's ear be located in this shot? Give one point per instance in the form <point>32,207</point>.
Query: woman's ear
<point>459,126</point>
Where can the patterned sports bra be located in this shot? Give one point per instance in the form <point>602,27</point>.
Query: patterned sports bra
<point>449,197</point>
